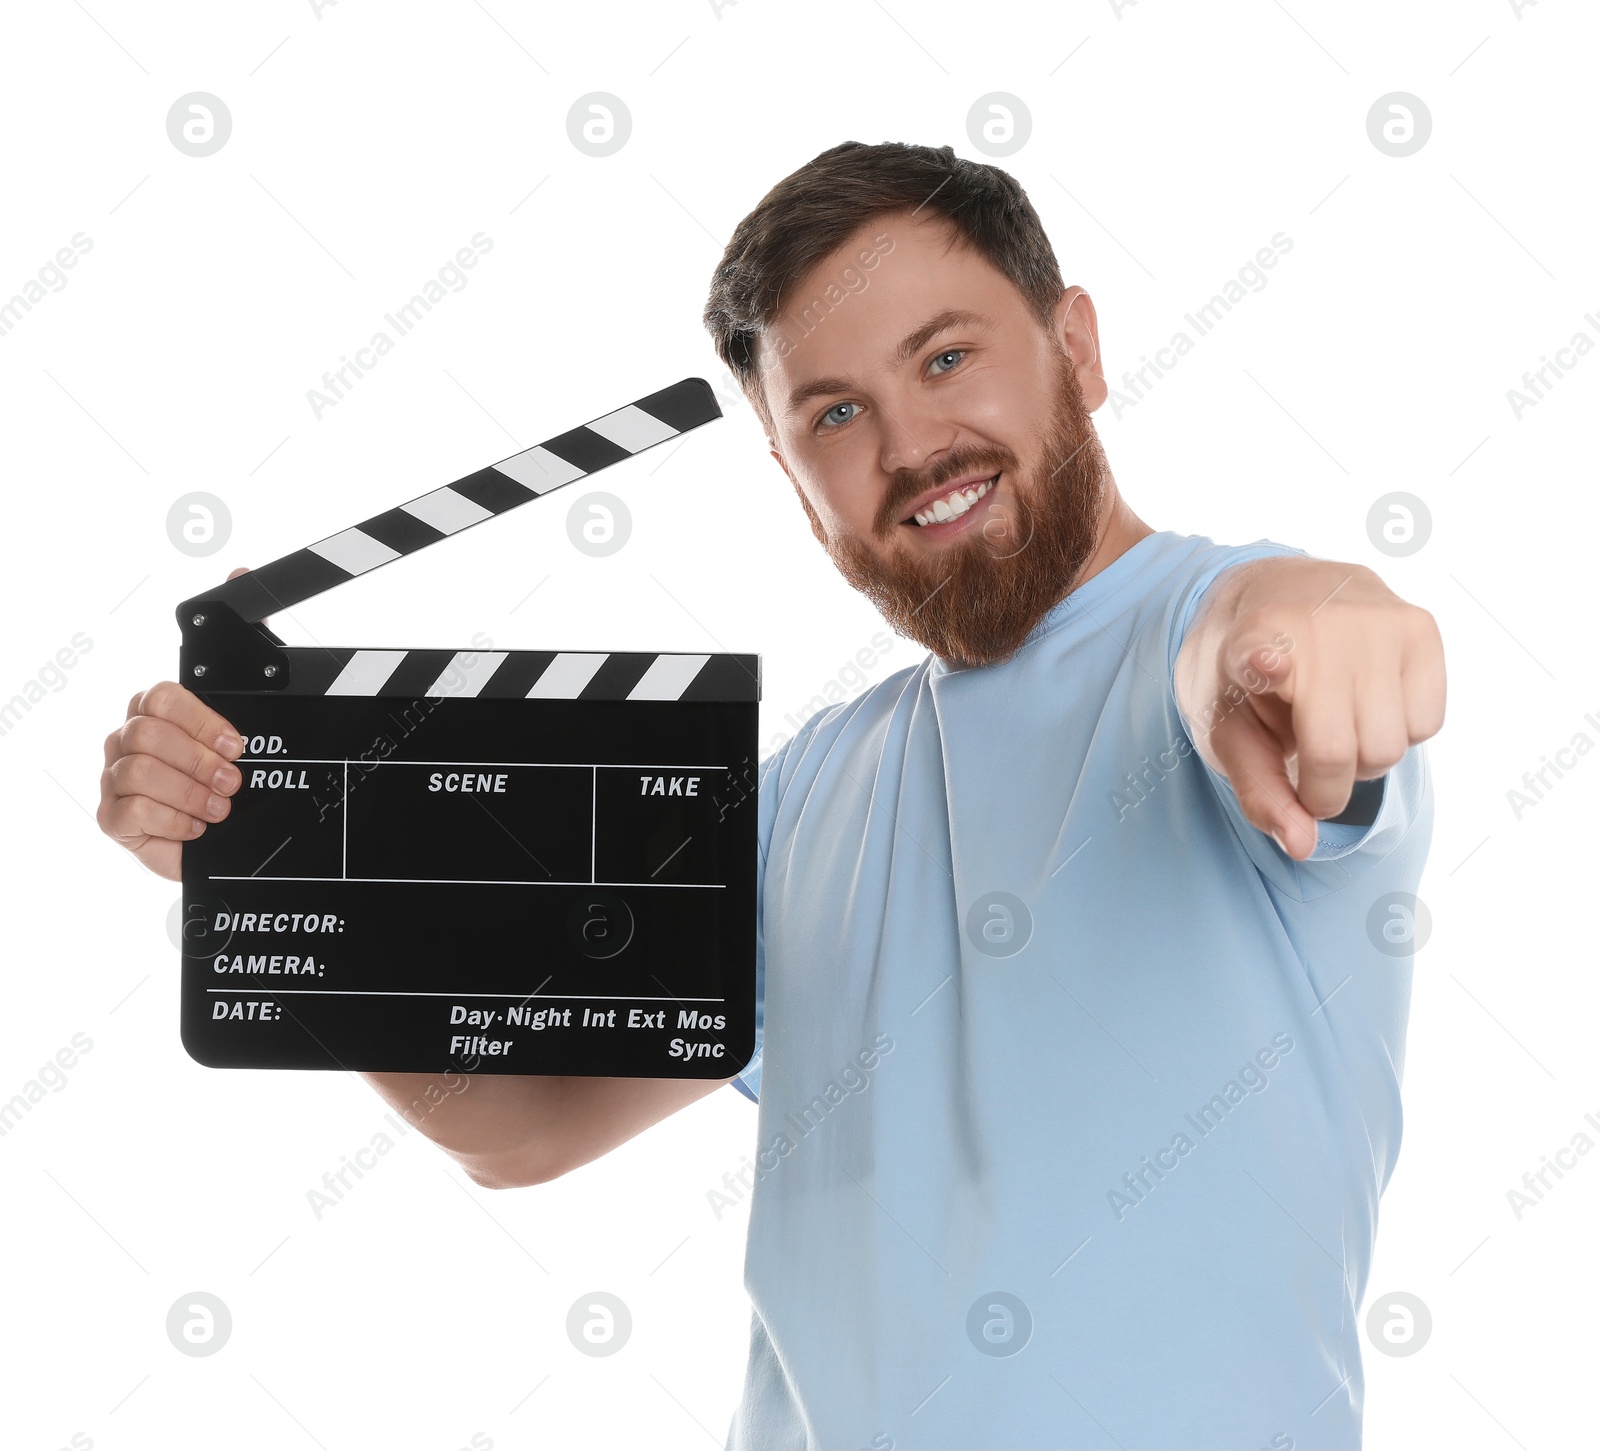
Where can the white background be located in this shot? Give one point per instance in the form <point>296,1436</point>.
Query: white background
<point>1169,143</point>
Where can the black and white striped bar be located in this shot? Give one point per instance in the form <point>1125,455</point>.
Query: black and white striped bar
<point>588,675</point>
<point>436,515</point>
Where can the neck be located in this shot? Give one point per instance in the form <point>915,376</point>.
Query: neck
<point>1120,529</point>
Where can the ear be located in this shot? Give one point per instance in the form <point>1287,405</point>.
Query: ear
<point>1078,331</point>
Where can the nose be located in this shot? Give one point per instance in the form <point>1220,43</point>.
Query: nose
<point>914,437</point>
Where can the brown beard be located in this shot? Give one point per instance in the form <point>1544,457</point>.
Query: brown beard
<point>975,600</point>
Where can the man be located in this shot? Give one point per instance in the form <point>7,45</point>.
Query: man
<point>1082,1019</point>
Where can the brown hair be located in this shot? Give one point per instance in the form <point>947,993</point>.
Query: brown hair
<point>813,211</point>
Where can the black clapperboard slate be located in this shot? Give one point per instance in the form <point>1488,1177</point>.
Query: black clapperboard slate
<point>498,861</point>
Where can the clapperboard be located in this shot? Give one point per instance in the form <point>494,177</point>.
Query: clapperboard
<point>502,861</point>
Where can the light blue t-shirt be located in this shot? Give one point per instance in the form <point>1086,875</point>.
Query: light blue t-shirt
<point>1076,1093</point>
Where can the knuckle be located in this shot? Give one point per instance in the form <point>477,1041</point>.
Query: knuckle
<point>1326,753</point>
<point>193,798</point>
<point>1262,627</point>
<point>1422,622</point>
<point>118,823</point>
<point>136,775</point>
<point>138,734</point>
<point>162,697</point>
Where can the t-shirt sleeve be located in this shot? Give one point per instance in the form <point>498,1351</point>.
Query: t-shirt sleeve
<point>1379,812</point>
<point>748,1081</point>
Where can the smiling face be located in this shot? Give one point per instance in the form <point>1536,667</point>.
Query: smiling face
<point>934,394</point>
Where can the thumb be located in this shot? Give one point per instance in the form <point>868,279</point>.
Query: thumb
<point>1253,760</point>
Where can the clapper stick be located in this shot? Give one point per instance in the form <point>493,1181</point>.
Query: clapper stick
<point>219,651</point>
<point>494,861</point>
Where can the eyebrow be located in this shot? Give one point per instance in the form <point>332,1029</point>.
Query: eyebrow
<point>909,346</point>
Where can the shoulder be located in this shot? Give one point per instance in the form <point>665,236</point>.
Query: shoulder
<point>1192,558</point>
<point>861,719</point>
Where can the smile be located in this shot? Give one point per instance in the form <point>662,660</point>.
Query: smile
<point>944,512</point>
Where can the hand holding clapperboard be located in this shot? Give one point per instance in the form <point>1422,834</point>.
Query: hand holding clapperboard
<point>516,862</point>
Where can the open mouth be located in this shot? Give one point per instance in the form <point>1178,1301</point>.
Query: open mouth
<point>945,514</point>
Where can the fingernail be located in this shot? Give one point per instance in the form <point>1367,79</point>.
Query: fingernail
<point>196,826</point>
<point>215,806</point>
<point>227,779</point>
<point>229,745</point>
<point>1279,840</point>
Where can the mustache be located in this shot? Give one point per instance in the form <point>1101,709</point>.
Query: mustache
<point>907,485</point>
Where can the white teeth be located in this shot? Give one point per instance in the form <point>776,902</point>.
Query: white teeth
<point>954,505</point>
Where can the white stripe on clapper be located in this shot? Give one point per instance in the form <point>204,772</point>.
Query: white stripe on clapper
<point>446,510</point>
<point>367,672</point>
<point>470,670</point>
<point>632,428</point>
<point>353,551</point>
<point>538,469</point>
<point>565,676</point>
<point>668,677</point>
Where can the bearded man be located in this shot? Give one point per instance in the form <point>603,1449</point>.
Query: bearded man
<point>1084,944</point>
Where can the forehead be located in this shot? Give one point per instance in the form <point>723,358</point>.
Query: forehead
<point>848,316</point>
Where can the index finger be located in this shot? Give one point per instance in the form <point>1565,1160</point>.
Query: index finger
<point>173,702</point>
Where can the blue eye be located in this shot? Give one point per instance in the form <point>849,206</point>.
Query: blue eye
<point>826,415</point>
<point>956,353</point>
